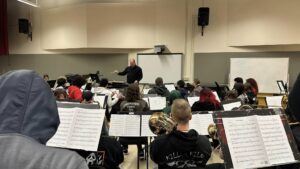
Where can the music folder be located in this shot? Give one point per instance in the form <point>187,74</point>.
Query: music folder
<point>130,124</point>
<point>255,138</point>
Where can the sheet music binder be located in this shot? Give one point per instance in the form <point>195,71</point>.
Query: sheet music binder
<point>80,126</point>
<point>142,130</point>
<point>219,120</point>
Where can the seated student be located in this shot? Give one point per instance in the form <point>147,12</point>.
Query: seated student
<point>183,147</point>
<point>74,90</point>
<point>87,97</point>
<point>180,87</point>
<point>60,94</point>
<point>197,88</point>
<point>28,119</point>
<point>207,102</point>
<point>61,83</point>
<point>133,103</point>
<point>254,86</point>
<point>112,97</point>
<point>239,87</point>
<point>159,88</point>
<point>250,94</point>
<point>175,94</point>
<point>46,77</point>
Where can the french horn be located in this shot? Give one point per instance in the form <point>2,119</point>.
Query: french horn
<point>160,123</point>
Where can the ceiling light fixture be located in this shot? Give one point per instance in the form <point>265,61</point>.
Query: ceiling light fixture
<point>30,3</point>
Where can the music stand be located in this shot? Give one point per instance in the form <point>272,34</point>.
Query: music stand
<point>281,86</point>
<point>51,83</point>
<point>95,77</point>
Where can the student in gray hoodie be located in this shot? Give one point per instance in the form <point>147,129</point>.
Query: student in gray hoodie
<point>28,119</point>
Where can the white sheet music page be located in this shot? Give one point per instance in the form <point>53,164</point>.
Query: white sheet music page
<point>245,143</point>
<point>192,100</point>
<point>145,130</point>
<point>274,101</point>
<point>124,125</point>
<point>200,123</point>
<point>275,139</point>
<point>87,129</point>
<point>157,103</point>
<point>61,137</point>
<point>230,106</point>
<point>145,91</point>
<point>100,99</point>
<point>170,87</point>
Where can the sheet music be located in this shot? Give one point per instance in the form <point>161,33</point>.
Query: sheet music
<point>125,125</point>
<point>200,123</point>
<point>230,106</point>
<point>245,143</point>
<point>79,129</point>
<point>274,101</point>
<point>217,96</point>
<point>157,103</point>
<point>170,87</point>
<point>100,99</point>
<point>275,139</point>
<point>192,100</point>
<point>145,130</point>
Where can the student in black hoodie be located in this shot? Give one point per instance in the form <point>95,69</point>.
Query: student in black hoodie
<point>159,88</point>
<point>183,147</point>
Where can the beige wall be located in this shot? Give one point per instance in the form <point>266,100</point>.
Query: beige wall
<point>169,22</point>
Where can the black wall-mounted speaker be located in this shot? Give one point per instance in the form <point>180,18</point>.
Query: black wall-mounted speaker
<point>24,26</point>
<point>203,16</point>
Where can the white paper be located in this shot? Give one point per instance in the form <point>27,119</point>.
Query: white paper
<point>275,139</point>
<point>79,129</point>
<point>146,132</point>
<point>217,96</point>
<point>274,101</point>
<point>100,99</point>
<point>170,87</point>
<point>245,143</point>
<point>157,103</point>
<point>192,100</point>
<point>124,125</point>
<point>200,123</point>
<point>230,106</point>
<point>145,91</point>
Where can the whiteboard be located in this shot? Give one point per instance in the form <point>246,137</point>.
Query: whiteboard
<point>266,71</point>
<point>167,66</point>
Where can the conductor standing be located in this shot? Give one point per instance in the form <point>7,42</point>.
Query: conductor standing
<point>134,72</point>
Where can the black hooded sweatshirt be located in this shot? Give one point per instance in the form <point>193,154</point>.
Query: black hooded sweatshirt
<point>180,150</point>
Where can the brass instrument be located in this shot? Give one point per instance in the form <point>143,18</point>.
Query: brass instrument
<point>284,101</point>
<point>160,123</point>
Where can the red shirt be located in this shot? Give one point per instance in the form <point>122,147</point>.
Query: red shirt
<point>75,93</point>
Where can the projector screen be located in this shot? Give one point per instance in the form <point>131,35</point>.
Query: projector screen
<point>167,66</point>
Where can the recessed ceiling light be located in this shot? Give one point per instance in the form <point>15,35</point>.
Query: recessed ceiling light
<point>30,3</point>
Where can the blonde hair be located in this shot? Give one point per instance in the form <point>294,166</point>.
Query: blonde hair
<point>181,111</point>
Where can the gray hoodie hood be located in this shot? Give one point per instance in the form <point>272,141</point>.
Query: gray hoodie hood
<point>27,106</point>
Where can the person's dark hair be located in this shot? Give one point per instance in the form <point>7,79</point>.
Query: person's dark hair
<point>231,94</point>
<point>239,80</point>
<point>61,82</point>
<point>132,93</point>
<point>59,92</point>
<point>78,81</point>
<point>181,83</point>
<point>159,81</point>
<point>103,82</point>
<point>87,95</point>
<point>196,81</point>
<point>239,87</point>
<point>253,83</point>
